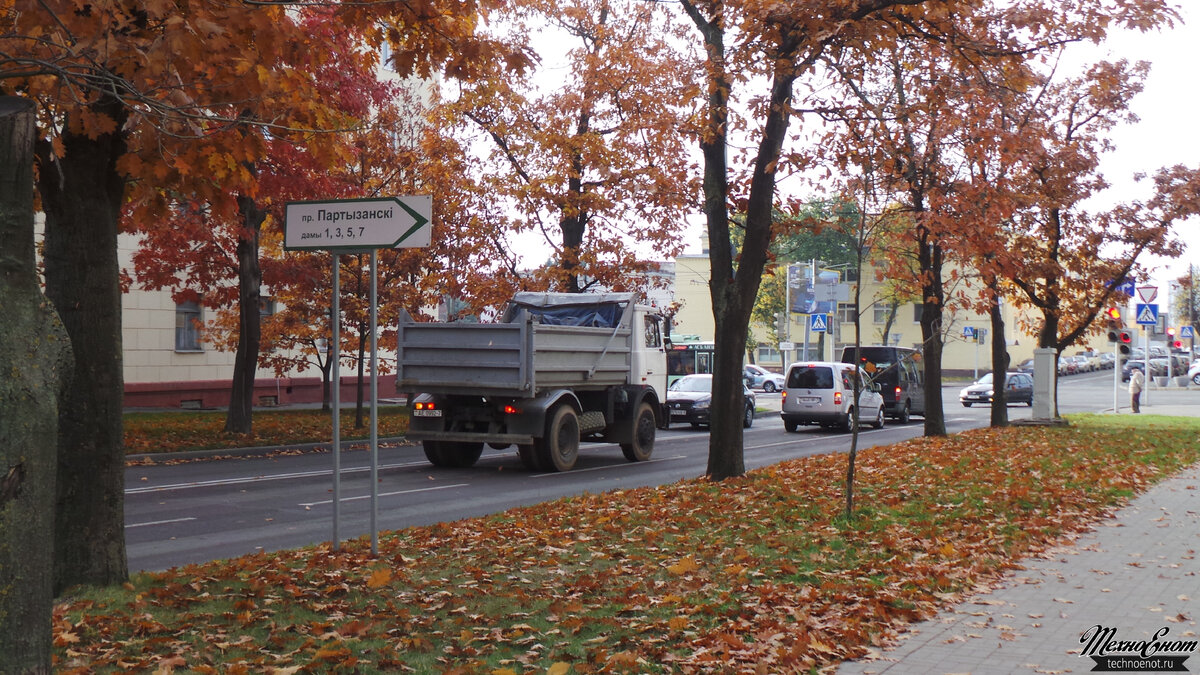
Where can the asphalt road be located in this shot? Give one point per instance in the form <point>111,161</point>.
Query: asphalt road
<point>207,510</point>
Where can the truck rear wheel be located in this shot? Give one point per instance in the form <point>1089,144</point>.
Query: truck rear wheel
<point>641,444</point>
<point>559,448</point>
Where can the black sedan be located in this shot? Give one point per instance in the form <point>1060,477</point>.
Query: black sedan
<point>1018,389</point>
<point>689,399</point>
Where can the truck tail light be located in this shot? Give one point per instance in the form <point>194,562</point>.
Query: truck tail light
<point>424,405</point>
<point>898,390</point>
<point>511,410</point>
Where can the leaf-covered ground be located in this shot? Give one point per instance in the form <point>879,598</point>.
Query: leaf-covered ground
<point>173,431</point>
<point>756,575</point>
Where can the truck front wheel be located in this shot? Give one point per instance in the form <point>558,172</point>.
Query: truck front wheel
<point>559,448</point>
<point>641,444</point>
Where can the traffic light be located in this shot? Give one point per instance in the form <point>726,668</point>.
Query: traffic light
<point>1124,340</point>
<point>781,324</point>
<point>1112,316</point>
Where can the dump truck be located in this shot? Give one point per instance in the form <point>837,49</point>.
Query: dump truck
<point>557,369</point>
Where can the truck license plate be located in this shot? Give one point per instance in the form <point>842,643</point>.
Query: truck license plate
<point>427,413</point>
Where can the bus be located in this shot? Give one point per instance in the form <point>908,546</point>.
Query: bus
<point>689,358</point>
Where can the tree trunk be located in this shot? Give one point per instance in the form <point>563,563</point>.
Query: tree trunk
<point>930,259</point>
<point>81,196</point>
<point>240,417</point>
<point>35,356</point>
<point>999,360</point>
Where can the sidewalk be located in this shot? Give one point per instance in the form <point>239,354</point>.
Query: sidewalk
<point>1137,573</point>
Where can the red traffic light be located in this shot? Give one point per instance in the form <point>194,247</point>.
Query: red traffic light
<point>1125,337</point>
<point>1112,314</point>
<point>1178,344</point>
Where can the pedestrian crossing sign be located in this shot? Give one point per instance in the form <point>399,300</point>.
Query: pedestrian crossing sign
<point>1147,314</point>
<point>1187,332</point>
<point>818,323</point>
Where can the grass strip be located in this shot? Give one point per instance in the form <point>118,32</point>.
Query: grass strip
<point>176,431</point>
<point>693,577</point>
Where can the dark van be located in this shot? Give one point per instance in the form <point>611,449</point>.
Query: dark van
<point>898,372</point>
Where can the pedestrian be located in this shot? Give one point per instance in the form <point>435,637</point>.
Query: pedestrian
<point>1136,382</point>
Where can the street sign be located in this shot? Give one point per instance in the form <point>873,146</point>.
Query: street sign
<point>968,332</point>
<point>359,224</point>
<point>1147,314</point>
<point>817,323</point>
<point>1147,294</point>
<point>1128,287</point>
<point>787,346</point>
<point>1187,332</point>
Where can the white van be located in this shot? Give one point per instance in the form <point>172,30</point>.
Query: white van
<point>822,392</point>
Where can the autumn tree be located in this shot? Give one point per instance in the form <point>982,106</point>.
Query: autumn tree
<point>1186,297</point>
<point>104,74</point>
<point>777,45</point>
<point>1074,256</point>
<point>595,166</point>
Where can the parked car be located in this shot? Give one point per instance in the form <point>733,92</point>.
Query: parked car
<point>1018,388</point>
<point>1088,361</point>
<point>1082,363</point>
<point>1108,360</point>
<point>822,392</point>
<point>1193,372</point>
<point>1158,368</point>
<point>690,400</point>
<point>1066,366</point>
<point>758,377</point>
<point>1025,366</point>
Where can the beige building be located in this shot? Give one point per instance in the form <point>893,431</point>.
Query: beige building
<point>962,355</point>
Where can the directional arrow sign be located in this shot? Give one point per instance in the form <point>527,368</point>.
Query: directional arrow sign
<point>818,323</point>
<point>356,224</point>
<point>1147,315</point>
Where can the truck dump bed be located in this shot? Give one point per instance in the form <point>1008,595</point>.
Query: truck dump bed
<point>537,348</point>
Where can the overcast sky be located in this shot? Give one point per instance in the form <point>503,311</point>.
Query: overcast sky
<point>1167,132</point>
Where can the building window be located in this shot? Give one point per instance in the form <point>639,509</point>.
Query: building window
<point>918,310</point>
<point>847,313</point>
<point>881,313</point>
<point>768,354</point>
<point>187,327</point>
<point>266,307</point>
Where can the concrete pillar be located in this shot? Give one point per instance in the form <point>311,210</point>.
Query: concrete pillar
<point>1045,375</point>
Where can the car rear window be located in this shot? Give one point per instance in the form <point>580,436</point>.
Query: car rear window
<point>810,377</point>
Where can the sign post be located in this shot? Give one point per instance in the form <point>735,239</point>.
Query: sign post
<point>356,226</point>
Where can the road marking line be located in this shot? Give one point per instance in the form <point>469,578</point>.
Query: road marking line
<point>607,466</point>
<point>386,494</point>
<point>254,479</point>
<point>159,522</point>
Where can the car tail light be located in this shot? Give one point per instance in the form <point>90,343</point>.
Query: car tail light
<point>898,390</point>
<point>837,398</point>
<point>783,395</point>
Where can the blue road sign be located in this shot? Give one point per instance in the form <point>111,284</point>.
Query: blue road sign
<point>1187,332</point>
<point>1128,287</point>
<point>1147,314</point>
<point>969,332</point>
<point>818,323</point>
